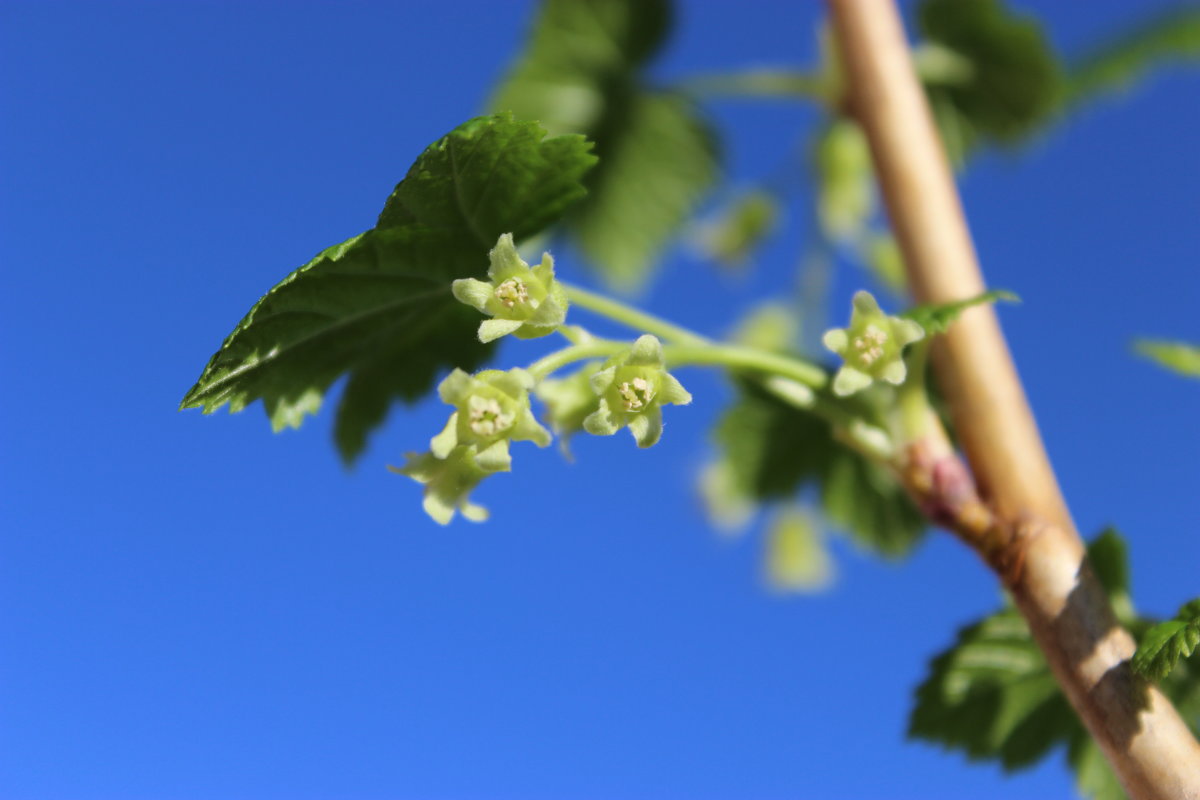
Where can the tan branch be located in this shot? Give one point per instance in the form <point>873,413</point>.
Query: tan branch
<point>1041,556</point>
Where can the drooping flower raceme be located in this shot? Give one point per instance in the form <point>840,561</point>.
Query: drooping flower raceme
<point>524,301</point>
<point>872,347</point>
<point>632,389</point>
<point>491,409</point>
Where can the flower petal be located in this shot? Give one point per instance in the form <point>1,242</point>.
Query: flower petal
<point>472,292</point>
<point>849,380</point>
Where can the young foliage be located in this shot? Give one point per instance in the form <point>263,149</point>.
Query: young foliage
<point>1171,36</point>
<point>1167,642</point>
<point>935,318</point>
<point>1015,81</point>
<point>993,697</point>
<point>770,450</point>
<point>1179,357</point>
<point>582,72</point>
<point>378,307</point>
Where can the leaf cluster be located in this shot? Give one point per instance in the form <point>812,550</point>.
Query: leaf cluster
<point>992,696</point>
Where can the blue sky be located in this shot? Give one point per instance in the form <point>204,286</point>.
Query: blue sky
<point>194,607</point>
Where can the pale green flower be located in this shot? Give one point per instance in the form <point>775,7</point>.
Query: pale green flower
<point>449,479</point>
<point>492,408</point>
<point>632,390</point>
<point>872,347</point>
<point>524,301</point>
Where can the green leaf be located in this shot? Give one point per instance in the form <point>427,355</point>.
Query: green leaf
<point>1166,643</point>
<point>1016,81</point>
<point>993,697</point>
<point>935,318</point>
<point>658,161</point>
<point>378,306</point>
<point>773,450</point>
<point>1179,357</point>
<point>582,72</point>
<point>1173,35</point>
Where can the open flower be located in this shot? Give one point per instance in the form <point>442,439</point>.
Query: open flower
<point>450,479</point>
<point>491,409</point>
<point>872,347</point>
<point>524,301</point>
<point>632,390</point>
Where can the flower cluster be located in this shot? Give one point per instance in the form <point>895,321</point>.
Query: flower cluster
<point>520,300</point>
<point>491,409</point>
<point>872,347</point>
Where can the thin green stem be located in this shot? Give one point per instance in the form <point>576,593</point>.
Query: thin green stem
<point>911,398</point>
<point>746,358</point>
<point>632,317</point>
<point>600,348</point>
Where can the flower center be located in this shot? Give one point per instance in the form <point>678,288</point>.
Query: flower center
<point>869,346</point>
<point>512,292</point>
<point>487,418</point>
<point>636,394</point>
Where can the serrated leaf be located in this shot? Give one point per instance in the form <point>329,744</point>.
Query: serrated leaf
<point>582,73</point>
<point>774,450</point>
<point>993,697</point>
<point>935,318</point>
<point>1179,357</point>
<point>378,307</point>
<point>1016,77</point>
<point>1166,643</point>
<point>1170,36</point>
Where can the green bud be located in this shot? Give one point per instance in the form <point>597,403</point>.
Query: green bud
<point>872,347</point>
<point>523,301</point>
<point>569,401</point>
<point>449,479</point>
<point>632,389</point>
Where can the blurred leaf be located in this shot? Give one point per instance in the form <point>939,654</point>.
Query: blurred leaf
<point>1166,643</point>
<point>657,160</point>
<point>796,558</point>
<point>581,72</point>
<point>378,306</point>
<point>1178,357</point>
<point>1170,36</point>
<point>883,258</point>
<point>993,697</point>
<point>1016,78</point>
<point>737,231</point>
<point>770,326</point>
<point>845,181</point>
<point>935,318</point>
<point>774,450</point>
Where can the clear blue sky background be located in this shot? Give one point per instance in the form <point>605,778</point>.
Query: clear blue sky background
<point>193,607</point>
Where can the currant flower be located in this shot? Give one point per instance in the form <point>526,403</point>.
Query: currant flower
<point>449,479</point>
<point>632,390</point>
<point>872,347</point>
<point>523,301</point>
<point>491,409</point>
